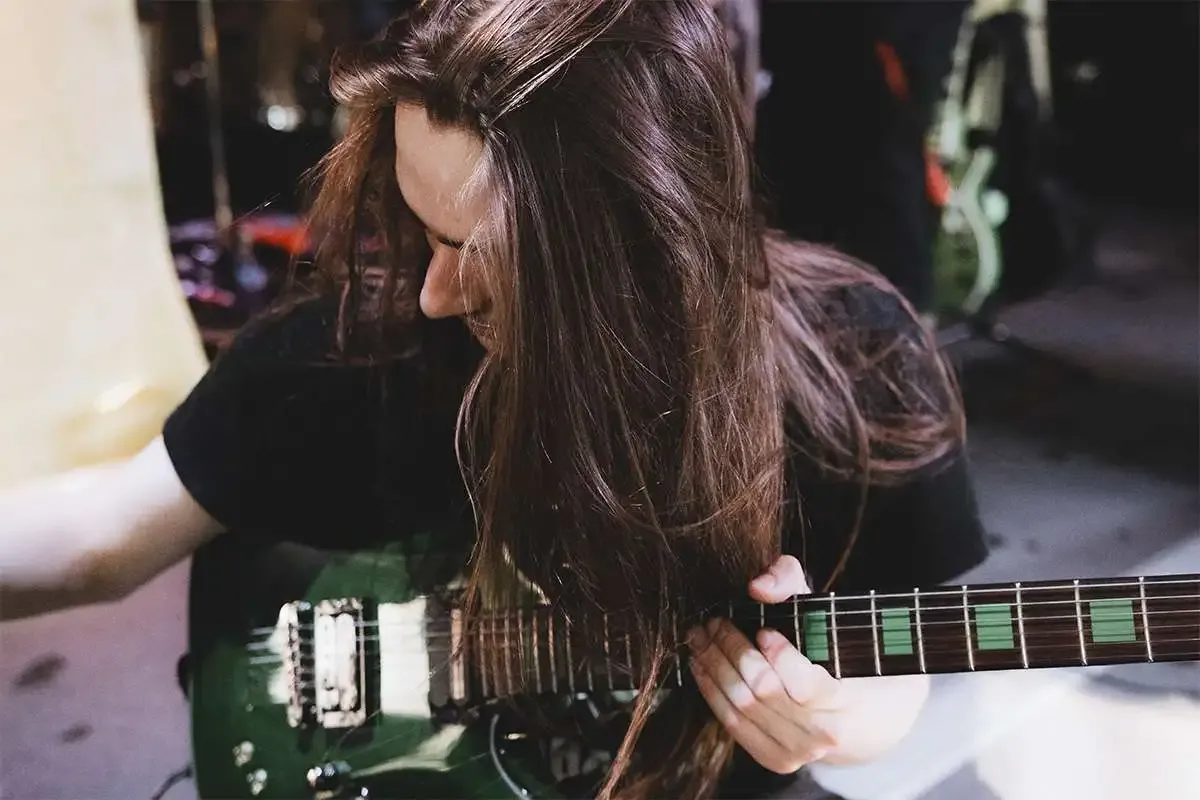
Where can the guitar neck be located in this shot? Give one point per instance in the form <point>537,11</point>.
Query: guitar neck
<point>1002,626</point>
<point>1026,625</point>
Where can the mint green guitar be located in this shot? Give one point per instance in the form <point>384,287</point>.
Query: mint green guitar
<point>316,674</point>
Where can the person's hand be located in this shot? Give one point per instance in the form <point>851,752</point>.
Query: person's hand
<point>781,708</point>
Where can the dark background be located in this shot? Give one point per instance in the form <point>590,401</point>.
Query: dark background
<point>1125,81</point>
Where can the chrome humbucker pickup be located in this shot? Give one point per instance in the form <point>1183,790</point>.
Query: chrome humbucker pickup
<point>325,663</point>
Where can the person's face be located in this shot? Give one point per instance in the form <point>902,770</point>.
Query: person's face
<point>433,165</point>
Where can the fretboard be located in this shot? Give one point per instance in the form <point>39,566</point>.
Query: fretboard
<point>967,629</point>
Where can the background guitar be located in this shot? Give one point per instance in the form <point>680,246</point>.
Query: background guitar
<point>1007,226</point>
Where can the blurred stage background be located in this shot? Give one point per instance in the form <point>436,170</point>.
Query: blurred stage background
<point>1085,438</point>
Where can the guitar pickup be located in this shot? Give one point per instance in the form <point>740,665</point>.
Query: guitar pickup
<point>326,664</point>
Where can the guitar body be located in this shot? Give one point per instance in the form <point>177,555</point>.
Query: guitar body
<point>380,735</point>
<point>962,154</point>
<point>967,254</point>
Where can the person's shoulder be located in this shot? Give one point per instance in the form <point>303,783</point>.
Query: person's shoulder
<point>871,358</point>
<point>300,332</point>
<point>840,295</point>
<point>281,422</point>
<point>890,355</point>
<point>871,307</point>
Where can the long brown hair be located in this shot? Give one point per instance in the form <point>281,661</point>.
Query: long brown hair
<point>624,442</point>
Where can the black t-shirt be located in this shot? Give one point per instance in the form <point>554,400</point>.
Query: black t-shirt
<point>278,440</point>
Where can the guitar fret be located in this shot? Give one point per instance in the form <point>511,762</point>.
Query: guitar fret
<point>537,659</point>
<point>458,647</point>
<point>550,639</point>
<point>920,634</point>
<point>1145,619</point>
<point>966,609</point>
<point>494,652</point>
<point>1021,628</point>
<point>875,634</point>
<point>519,650</point>
<point>837,655</point>
<point>1175,618</point>
<point>498,646</point>
<point>629,657</point>
<point>1083,656</point>
<point>607,655</point>
<point>796,618</point>
<point>587,661</point>
<point>678,655</point>
<point>483,677</point>
<point>570,660</point>
<point>508,654</point>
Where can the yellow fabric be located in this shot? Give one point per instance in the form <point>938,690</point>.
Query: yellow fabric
<point>96,342</point>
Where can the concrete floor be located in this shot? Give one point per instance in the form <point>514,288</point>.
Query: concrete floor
<point>1076,479</point>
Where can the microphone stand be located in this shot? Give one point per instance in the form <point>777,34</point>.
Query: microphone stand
<point>222,207</point>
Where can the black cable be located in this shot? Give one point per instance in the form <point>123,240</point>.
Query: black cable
<point>175,777</point>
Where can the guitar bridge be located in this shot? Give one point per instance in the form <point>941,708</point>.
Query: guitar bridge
<point>326,664</point>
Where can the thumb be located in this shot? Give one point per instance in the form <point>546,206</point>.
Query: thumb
<point>784,579</point>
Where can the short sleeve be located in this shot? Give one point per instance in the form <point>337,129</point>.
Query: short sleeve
<point>275,439</point>
<point>918,533</point>
<point>916,530</point>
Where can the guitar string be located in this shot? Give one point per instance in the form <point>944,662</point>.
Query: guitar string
<point>627,676</point>
<point>497,643</point>
<point>931,645</point>
<point>498,627</point>
<point>811,603</point>
<point>624,678</point>
<point>934,645</point>
<point>851,651</point>
<point>984,633</point>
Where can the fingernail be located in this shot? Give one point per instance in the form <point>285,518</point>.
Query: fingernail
<point>804,587</point>
<point>764,581</point>
<point>765,636</point>
<point>696,638</point>
<point>820,753</point>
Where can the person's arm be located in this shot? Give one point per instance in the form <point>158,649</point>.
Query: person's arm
<point>95,534</point>
<point>271,442</point>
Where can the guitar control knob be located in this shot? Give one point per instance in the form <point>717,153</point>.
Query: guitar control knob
<point>257,781</point>
<point>243,753</point>
<point>330,779</point>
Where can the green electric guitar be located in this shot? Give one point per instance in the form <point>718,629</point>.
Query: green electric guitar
<point>962,150</point>
<point>967,254</point>
<point>322,674</point>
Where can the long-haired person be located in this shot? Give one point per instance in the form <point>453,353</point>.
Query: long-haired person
<point>556,318</point>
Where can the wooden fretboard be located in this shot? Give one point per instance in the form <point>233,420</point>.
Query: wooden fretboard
<point>967,629</point>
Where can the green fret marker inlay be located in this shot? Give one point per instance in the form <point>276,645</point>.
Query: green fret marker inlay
<point>816,636</point>
<point>994,627</point>
<point>897,632</point>
<point>1112,621</point>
